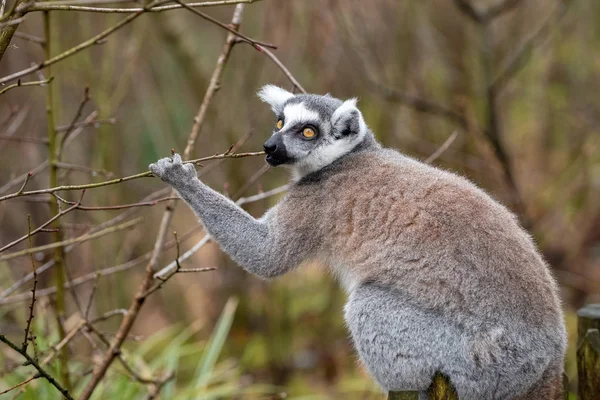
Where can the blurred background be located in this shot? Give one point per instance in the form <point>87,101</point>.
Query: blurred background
<point>510,91</point>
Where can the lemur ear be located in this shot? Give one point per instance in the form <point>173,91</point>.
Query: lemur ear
<point>347,120</point>
<point>274,96</point>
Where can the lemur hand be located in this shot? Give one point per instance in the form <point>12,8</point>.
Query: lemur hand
<point>173,171</point>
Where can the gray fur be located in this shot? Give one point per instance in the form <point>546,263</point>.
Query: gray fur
<point>440,276</point>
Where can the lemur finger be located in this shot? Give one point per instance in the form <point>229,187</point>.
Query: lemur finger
<point>176,158</point>
<point>164,163</point>
<point>189,167</point>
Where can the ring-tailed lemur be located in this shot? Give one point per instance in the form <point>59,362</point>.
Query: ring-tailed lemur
<point>440,277</point>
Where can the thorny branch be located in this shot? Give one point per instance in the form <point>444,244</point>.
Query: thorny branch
<point>36,365</point>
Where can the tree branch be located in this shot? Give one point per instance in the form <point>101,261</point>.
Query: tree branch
<point>41,371</point>
<point>32,83</point>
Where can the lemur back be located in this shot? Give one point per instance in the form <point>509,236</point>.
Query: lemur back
<point>439,276</point>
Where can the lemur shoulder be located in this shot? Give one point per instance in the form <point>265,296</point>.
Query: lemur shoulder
<point>440,276</point>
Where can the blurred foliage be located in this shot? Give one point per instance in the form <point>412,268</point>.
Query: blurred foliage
<point>288,335</point>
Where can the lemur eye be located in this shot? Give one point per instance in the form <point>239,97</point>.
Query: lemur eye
<point>308,133</point>
<point>280,124</point>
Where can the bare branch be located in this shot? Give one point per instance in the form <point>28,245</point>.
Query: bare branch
<point>32,83</point>
<point>127,178</point>
<point>442,148</point>
<point>127,323</point>
<point>111,222</point>
<point>80,239</point>
<point>282,67</point>
<point>32,303</point>
<point>84,6</point>
<point>255,43</point>
<point>74,50</point>
<point>41,371</point>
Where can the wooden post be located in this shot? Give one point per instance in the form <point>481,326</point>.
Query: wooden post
<point>440,389</point>
<point>588,352</point>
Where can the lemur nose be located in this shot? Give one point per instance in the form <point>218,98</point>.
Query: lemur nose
<point>270,147</point>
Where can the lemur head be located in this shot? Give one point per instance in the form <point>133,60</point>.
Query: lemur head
<point>311,131</point>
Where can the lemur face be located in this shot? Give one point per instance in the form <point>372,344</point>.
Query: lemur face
<point>311,130</point>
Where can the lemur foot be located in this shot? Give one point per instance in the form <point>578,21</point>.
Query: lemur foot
<point>173,171</point>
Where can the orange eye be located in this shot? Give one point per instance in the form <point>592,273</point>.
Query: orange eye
<point>280,124</point>
<point>308,133</point>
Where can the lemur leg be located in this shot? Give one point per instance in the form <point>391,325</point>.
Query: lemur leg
<point>250,242</point>
<point>403,345</point>
<point>393,340</point>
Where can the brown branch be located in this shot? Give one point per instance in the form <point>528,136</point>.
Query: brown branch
<point>83,168</point>
<point>30,38</point>
<point>41,227</point>
<point>283,68</point>
<point>255,43</point>
<point>139,299</point>
<point>34,363</point>
<point>90,119</point>
<point>18,385</point>
<point>88,122</point>
<point>84,101</point>
<point>127,178</point>
<point>74,50</point>
<point>111,222</point>
<point>120,206</point>
<point>35,281</point>
<point>90,276</point>
<point>80,239</point>
<point>32,83</point>
<point>84,6</point>
<point>442,148</point>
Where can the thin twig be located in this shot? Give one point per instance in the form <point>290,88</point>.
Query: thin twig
<point>127,178</point>
<point>84,6</point>
<point>44,225</point>
<point>283,68</point>
<point>255,43</point>
<point>32,303</point>
<point>120,206</point>
<point>442,148</point>
<point>88,122</point>
<point>25,382</point>
<point>83,168</point>
<point>80,239</point>
<point>91,297</point>
<point>86,98</point>
<point>31,38</point>
<point>111,222</point>
<point>32,83</point>
<point>90,276</point>
<point>41,371</point>
<point>74,50</point>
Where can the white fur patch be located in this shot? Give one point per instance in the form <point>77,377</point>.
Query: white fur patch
<point>295,113</point>
<point>274,96</point>
<point>326,154</point>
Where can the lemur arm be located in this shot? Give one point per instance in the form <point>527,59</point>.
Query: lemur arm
<point>257,245</point>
